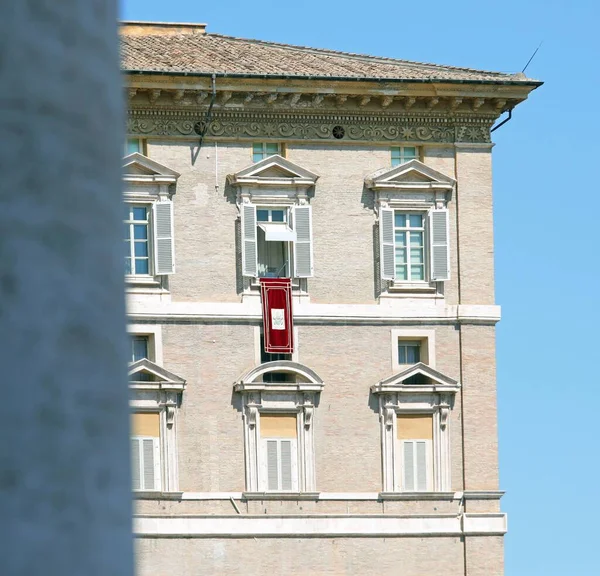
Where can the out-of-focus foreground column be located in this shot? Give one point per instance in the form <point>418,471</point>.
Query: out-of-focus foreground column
<point>64,458</point>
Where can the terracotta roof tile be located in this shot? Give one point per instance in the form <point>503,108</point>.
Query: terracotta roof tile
<point>214,53</point>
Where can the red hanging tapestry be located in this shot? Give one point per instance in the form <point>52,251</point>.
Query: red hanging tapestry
<point>276,296</point>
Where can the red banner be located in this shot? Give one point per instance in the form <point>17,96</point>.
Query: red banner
<point>277,315</point>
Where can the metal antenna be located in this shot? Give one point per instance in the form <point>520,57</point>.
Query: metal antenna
<point>528,61</point>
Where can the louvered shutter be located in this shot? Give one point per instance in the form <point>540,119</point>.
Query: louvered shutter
<point>440,250</point>
<point>421,465</point>
<point>272,465</point>
<point>286,464</point>
<point>303,252</point>
<point>386,243</point>
<point>136,461</point>
<point>148,457</point>
<point>408,466</point>
<point>164,249</point>
<point>249,260</point>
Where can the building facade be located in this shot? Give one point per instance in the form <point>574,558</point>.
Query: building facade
<point>371,446</point>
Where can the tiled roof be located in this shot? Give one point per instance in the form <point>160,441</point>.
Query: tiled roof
<point>214,53</point>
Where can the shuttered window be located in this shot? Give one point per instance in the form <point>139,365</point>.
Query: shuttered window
<point>145,451</point>
<point>279,453</point>
<point>415,438</point>
<point>272,237</point>
<point>405,253</point>
<point>149,247</point>
<point>145,463</point>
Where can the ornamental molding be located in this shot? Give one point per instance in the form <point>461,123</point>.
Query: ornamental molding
<point>335,125</point>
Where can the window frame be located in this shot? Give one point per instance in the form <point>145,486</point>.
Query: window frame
<point>141,143</point>
<point>156,446</point>
<point>424,230</point>
<point>401,157</point>
<point>282,398</point>
<point>427,339</point>
<point>130,242</point>
<point>162,396</point>
<point>154,334</point>
<point>397,398</point>
<point>288,247</point>
<point>263,152</point>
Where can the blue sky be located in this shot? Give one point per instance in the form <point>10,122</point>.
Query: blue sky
<point>546,226</point>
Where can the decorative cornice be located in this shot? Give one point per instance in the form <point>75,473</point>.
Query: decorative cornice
<point>336,125</point>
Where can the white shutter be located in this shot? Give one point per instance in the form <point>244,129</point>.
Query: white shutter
<point>421,462</point>
<point>303,252</point>
<point>164,249</point>
<point>272,465</point>
<point>386,244</point>
<point>286,464</point>
<point>440,249</point>
<point>148,457</point>
<point>136,461</point>
<point>249,260</point>
<point>408,466</point>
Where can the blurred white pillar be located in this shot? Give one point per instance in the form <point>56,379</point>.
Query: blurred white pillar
<point>64,453</point>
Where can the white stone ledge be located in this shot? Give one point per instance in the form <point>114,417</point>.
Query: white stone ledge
<point>322,526</point>
<point>406,311</point>
<point>320,496</point>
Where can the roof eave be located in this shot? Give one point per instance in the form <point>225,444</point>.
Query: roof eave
<point>533,84</point>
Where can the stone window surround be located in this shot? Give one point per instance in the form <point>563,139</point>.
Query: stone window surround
<point>147,189</point>
<point>162,396</point>
<point>427,338</point>
<point>397,398</point>
<point>154,332</point>
<point>407,196</point>
<point>273,191</point>
<point>298,398</point>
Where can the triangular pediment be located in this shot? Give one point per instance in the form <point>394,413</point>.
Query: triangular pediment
<point>410,175</point>
<point>414,377</point>
<point>146,371</point>
<point>137,164</point>
<point>273,170</point>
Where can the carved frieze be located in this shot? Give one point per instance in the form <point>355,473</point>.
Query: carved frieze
<point>278,126</point>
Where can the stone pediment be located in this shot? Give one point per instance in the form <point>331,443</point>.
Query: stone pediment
<point>412,175</point>
<point>140,168</point>
<point>273,171</point>
<point>144,373</point>
<point>418,377</point>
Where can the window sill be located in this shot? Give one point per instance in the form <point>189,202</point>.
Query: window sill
<point>280,495</point>
<point>419,287</point>
<point>156,495</point>
<point>141,280</point>
<point>417,496</point>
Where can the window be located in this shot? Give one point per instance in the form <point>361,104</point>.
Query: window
<point>135,145</point>
<point>137,252</point>
<point>139,347</point>
<point>279,452</point>
<point>145,451</point>
<point>409,351</point>
<point>409,246</point>
<point>273,255</point>
<point>278,419</point>
<point>155,397</point>
<point>415,436</point>
<point>273,199</point>
<point>262,150</point>
<point>277,242</point>
<point>148,219</point>
<point>403,254</point>
<point>402,154</point>
<point>414,413</point>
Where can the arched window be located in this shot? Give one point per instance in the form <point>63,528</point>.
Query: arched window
<point>279,400</point>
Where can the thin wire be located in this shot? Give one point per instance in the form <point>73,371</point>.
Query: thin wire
<point>528,61</point>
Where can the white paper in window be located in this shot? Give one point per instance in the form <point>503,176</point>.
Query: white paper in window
<point>277,319</point>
